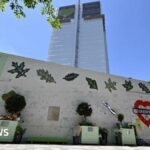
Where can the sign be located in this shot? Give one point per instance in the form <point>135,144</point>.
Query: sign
<point>4,132</point>
<point>141,109</point>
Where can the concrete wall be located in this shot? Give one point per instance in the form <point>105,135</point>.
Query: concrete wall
<point>66,95</point>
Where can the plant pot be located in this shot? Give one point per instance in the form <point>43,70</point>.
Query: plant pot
<point>11,127</point>
<point>19,134</point>
<point>104,139</point>
<point>89,135</point>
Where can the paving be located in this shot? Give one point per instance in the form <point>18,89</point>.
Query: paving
<point>66,147</point>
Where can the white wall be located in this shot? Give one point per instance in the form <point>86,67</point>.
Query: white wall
<point>67,95</point>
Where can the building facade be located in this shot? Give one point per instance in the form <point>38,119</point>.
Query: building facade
<point>81,41</point>
<point>53,92</point>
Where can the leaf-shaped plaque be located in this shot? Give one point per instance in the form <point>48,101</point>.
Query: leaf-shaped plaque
<point>92,83</point>
<point>44,74</point>
<point>128,85</point>
<point>110,85</point>
<point>144,87</point>
<point>71,76</point>
<point>19,69</point>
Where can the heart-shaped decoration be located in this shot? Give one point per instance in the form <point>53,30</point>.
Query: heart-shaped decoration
<point>145,104</point>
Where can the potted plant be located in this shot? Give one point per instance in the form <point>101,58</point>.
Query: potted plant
<point>125,135</point>
<point>85,110</point>
<point>14,104</point>
<point>18,134</point>
<point>104,133</point>
<point>88,133</point>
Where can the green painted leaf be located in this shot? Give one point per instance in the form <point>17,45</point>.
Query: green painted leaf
<point>71,76</point>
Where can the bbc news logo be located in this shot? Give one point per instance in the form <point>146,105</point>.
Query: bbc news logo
<point>4,132</point>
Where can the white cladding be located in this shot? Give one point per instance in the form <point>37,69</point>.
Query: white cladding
<point>92,45</point>
<point>63,43</point>
<point>92,50</point>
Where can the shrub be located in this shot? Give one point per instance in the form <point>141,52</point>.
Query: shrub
<point>84,110</point>
<point>120,117</point>
<point>15,103</point>
<point>8,95</point>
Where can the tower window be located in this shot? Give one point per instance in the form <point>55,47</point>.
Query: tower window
<point>66,13</point>
<point>91,10</point>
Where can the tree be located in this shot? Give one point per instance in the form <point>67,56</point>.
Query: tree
<point>84,110</point>
<point>47,9</point>
<point>15,103</point>
<point>8,95</point>
<point>120,118</point>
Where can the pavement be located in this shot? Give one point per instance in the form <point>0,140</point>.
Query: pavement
<point>66,147</point>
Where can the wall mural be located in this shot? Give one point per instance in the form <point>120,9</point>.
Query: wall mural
<point>144,87</point>
<point>45,75</point>
<point>110,85</point>
<point>128,85</point>
<point>138,123</point>
<point>141,109</point>
<point>19,69</point>
<point>110,109</point>
<point>92,83</point>
<point>71,76</point>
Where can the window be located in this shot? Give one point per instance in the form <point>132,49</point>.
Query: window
<point>66,13</point>
<point>91,10</point>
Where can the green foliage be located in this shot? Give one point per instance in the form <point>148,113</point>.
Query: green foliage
<point>120,117</point>
<point>19,128</point>
<point>103,131</point>
<point>3,4</point>
<point>84,109</point>
<point>8,95</point>
<point>15,103</point>
<point>47,9</point>
<point>86,124</point>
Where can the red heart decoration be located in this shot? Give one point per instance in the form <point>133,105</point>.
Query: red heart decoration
<point>144,104</point>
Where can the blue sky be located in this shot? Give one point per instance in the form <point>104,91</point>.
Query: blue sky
<point>127,31</point>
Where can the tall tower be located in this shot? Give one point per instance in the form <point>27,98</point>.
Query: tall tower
<point>81,41</point>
